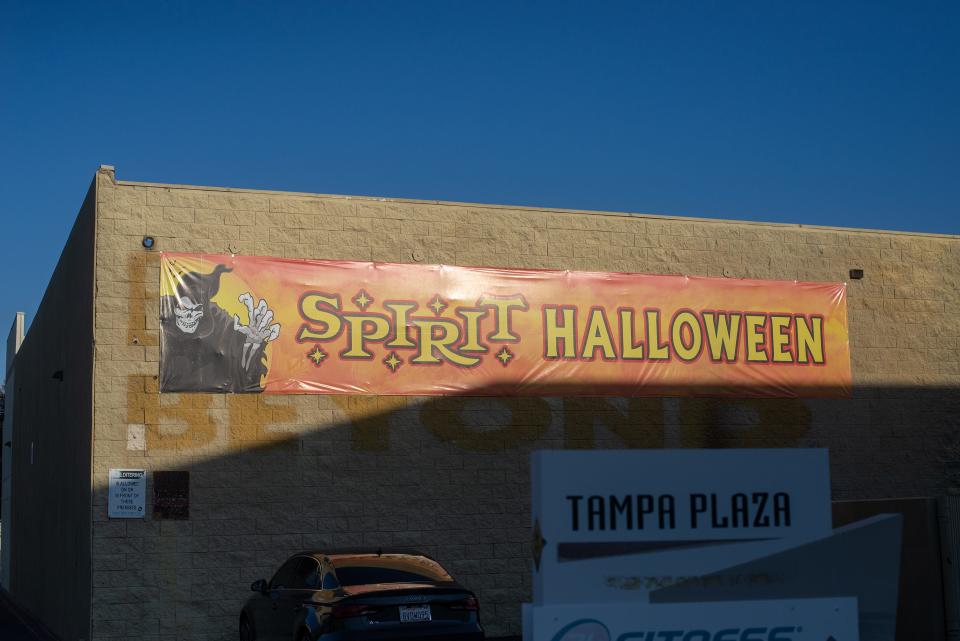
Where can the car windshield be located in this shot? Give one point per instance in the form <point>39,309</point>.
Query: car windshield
<point>388,568</point>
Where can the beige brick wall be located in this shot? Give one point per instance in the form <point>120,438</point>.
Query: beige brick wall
<point>450,475</point>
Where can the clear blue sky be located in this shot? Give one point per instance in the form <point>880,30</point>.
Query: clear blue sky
<point>830,113</point>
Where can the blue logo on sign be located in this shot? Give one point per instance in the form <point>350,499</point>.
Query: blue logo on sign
<point>583,630</point>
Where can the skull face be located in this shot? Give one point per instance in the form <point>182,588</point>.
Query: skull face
<point>188,315</point>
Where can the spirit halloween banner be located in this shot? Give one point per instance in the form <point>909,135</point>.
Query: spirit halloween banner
<point>251,324</point>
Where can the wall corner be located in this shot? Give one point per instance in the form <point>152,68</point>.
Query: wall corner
<point>108,171</point>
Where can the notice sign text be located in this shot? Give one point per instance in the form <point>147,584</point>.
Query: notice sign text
<point>127,496</point>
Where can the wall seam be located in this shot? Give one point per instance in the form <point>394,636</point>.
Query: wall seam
<point>91,481</point>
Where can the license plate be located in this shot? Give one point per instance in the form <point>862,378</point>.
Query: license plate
<point>414,613</point>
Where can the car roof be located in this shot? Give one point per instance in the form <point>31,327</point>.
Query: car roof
<point>360,551</point>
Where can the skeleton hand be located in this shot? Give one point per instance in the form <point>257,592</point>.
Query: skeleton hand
<point>259,331</point>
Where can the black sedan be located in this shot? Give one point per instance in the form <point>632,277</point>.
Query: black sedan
<point>360,596</point>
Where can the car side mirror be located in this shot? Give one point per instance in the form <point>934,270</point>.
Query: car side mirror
<point>259,585</point>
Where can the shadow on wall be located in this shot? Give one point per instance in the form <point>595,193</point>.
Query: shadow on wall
<point>270,475</point>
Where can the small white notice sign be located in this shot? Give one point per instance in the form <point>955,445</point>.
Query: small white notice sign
<point>128,491</point>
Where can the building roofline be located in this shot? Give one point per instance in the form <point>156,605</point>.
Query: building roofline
<point>546,210</point>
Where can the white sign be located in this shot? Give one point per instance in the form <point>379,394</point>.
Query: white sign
<point>622,496</point>
<point>789,620</point>
<point>128,491</point>
<point>859,560</point>
<point>633,577</point>
<point>673,513</point>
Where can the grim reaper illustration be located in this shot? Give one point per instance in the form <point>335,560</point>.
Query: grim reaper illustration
<point>204,348</point>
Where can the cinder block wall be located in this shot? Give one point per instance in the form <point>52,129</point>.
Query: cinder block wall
<point>270,475</point>
<point>50,528</point>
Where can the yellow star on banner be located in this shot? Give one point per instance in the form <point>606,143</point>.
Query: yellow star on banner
<point>393,361</point>
<point>316,356</point>
<point>362,300</point>
<point>437,305</point>
<point>504,356</point>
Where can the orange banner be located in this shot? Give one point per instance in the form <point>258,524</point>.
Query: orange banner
<point>251,324</point>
